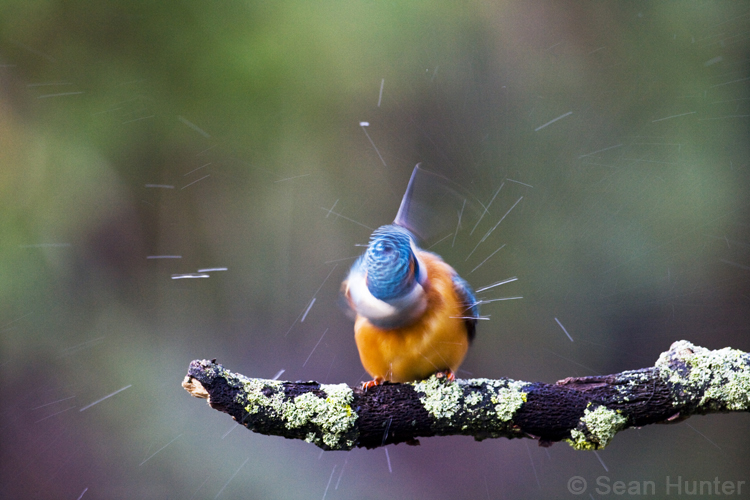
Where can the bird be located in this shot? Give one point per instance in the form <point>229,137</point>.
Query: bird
<point>414,315</point>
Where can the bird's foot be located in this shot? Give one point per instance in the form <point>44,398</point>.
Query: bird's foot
<point>372,383</point>
<point>446,374</point>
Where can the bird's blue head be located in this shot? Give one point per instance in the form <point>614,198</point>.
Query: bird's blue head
<point>392,268</point>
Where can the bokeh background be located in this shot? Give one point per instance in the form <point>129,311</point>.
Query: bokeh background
<point>228,133</point>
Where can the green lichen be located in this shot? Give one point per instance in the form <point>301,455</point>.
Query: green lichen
<point>596,428</point>
<point>301,410</point>
<point>474,398</point>
<point>482,407</point>
<point>332,416</point>
<point>329,420</point>
<point>254,399</point>
<point>442,398</point>
<point>716,380</point>
<point>508,400</point>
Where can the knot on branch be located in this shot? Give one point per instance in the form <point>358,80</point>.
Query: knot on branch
<point>705,380</point>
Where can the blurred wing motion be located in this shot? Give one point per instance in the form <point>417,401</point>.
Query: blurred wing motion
<point>433,205</point>
<point>402,218</point>
<point>414,316</point>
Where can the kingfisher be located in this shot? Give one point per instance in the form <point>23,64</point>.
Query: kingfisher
<point>414,315</point>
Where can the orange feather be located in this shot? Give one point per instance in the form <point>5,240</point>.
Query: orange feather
<point>437,341</point>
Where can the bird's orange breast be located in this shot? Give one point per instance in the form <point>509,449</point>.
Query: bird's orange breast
<point>437,341</point>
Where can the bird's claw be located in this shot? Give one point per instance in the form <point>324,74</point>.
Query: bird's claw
<point>372,383</point>
<point>448,374</point>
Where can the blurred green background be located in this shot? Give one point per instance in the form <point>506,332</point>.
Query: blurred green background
<point>632,231</point>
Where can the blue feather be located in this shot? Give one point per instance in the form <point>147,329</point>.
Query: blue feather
<point>390,263</point>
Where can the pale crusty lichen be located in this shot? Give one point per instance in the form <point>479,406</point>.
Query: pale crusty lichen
<point>480,404</point>
<point>253,394</point>
<point>331,418</point>
<point>255,399</point>
<point>442,398</point>
<point>508,400</point>
<point>721,378</point>
<point>596,428</point>
<point>474,398</point>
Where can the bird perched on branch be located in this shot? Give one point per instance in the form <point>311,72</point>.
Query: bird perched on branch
<point>414,315</point>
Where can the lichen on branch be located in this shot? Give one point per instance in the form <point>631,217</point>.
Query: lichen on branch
<point>586,412</point>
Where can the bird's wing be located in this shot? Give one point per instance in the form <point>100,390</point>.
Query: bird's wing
<point>345,298</point>
<point>469,304</point>
<point>402,217</point>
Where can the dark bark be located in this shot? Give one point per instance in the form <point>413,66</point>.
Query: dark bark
<point>587,412</point>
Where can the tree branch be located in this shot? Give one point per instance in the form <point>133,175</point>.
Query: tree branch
<point>586,412</point>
